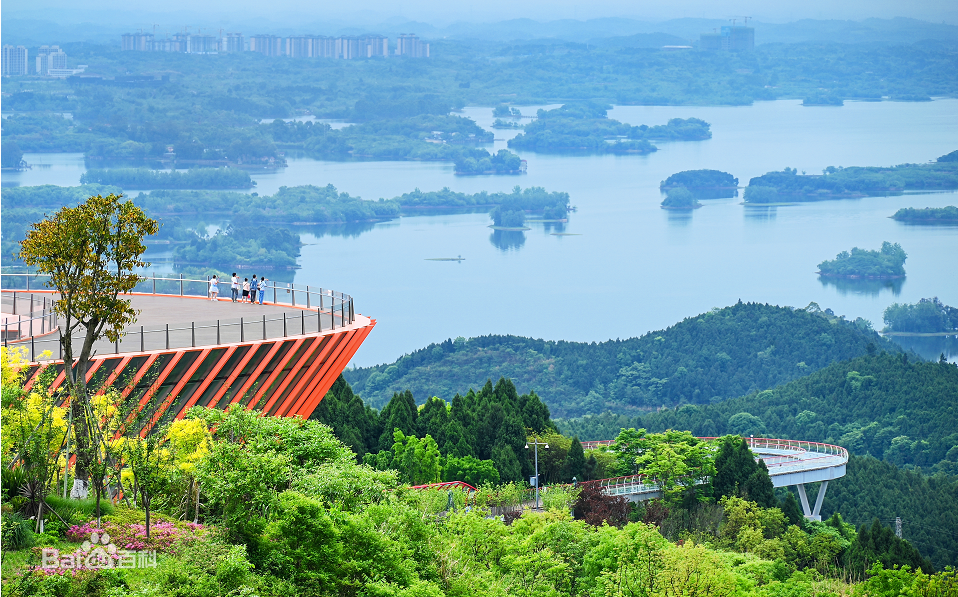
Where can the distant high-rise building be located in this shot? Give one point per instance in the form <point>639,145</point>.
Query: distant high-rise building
<point>268,45</point>
<point>232,43</point>
<point>410,45</point>
<point>362,46</point>
<point>15,61</point>
<point>137,42</point>
<point>50,57</point>
<point>736,39</point>
<point>202,44</point>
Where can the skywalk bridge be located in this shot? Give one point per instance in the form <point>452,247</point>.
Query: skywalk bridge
<point>790,463</point>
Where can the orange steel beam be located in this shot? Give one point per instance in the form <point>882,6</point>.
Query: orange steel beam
<point>155,387</point>
<point>139,375</point>
<point>33,378</point>
<point>292,373</point>
<point>296,395</point>
<point>275,374</point>
<point>206,382</point>
<point>315,348</point>
<point>59,379</point>
<point>330,362</point>
<point>234,374</point>
<point>124,361</point>
<point>174,393</point>
<point>317,391</point>
<point>256,372</point>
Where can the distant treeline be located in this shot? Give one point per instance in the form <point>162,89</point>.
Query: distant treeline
<point>586,127</point>
<point>929,315</point>
<point>932,215</point>
<point>708,358</point>
<point>789,185</point>
<point>143,178</point>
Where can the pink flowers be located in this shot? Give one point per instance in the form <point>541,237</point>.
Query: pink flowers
<point>163,535</point>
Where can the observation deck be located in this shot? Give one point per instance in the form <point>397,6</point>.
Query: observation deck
<point>186,350</point>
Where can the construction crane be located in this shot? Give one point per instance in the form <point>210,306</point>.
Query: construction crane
<point>737,17</point>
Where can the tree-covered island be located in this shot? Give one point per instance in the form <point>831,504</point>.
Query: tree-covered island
<point>889,262</point>
<point>703,184</point>
<point>585,126</point>
<point>680,198</point>
<point>928,215</point>
<point>927,316</point>
<point>855,181</point>
<point>143,178</point>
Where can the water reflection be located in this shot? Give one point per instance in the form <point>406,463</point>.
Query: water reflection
<point>716,193</point>
<point>507,240</point>
<point>679,217</point>
<point>344,230</point>
<point>760,214</point>
<point>930,347</point>
<point>846,286</point>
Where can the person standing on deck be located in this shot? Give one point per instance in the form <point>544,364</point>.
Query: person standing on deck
<point>253,286</point>
<point>234,286</point>
<point>263,285</point>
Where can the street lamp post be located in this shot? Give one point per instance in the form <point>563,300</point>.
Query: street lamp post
<point>535,444</point>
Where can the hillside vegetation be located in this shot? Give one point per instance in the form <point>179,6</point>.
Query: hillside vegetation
<point>708,358</point>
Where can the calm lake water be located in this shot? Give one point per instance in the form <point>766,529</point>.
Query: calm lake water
<point>624,266</point>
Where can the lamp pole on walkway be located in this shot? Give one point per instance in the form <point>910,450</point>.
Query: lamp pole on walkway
<point>535,445</point>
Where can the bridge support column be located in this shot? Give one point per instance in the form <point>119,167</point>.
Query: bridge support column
<point>810,513</point>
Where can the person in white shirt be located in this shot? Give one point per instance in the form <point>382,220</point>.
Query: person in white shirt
<point>234,286</point>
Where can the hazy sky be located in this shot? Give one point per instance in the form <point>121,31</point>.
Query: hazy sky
<point>442,12</point>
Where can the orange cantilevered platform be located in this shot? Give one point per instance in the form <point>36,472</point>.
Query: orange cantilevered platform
<point>279,357</point>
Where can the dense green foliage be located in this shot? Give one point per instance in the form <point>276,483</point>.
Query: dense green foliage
<point>141,178</point>
<point>886,405</point>
<point>680,198</point>
<point>927,316</point>
<point>889,262</point>
<point>947,214</point>
<point>855,181</point>
<point>585,126</point>
<point>11,155</point>
<point>240,247</point>
<point>717,355</point>
<point>704,184</point>
<point>480,161</point>
<point>928,506</point>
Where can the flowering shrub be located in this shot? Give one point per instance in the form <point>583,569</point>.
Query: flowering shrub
<point>163,535</point>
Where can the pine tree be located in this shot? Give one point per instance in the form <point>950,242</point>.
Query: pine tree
<point>575,461</point>
<point>400,413</point>
<point>792,511</point>
<point>507,463</point>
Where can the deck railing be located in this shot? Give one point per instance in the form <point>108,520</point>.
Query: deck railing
<point>312,310</point>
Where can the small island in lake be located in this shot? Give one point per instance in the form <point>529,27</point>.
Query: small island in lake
<point>704,184</point>
<point>929,316</point>
<point>585,126</point>
<point>855,181</point>
<point>680,198</point>
<point>928,215</point>
<point>480,161</point>
<point>889,262</point>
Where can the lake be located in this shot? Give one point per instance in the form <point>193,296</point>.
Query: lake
<point>623,266</point>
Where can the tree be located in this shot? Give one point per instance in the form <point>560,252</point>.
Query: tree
<point>91,253</point>
<point>679,198</point>
<point>417,460</point>
<point>575,461</point>
<point>470,470</point>
<point>10,154</point>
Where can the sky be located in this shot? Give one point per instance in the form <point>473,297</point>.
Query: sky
<point>442,12</point>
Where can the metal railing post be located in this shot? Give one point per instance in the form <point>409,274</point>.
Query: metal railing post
<point>181,284</point>
<point>274,293</point>
<point>14,302</point>
<point>264,327</point>
<point>142,340</point>
<point>319,320</point>
<point>33,349</point>
<point>116,346</point>
<point>307,296</point>
<point>302,321</point>
<point>167,336</point>
<point>28,282</point>
<point>193,334</point>
<point>293,296</point>
<point>242,338</point>
<point>284,324</point>
<point>217,331</point>
<point>154,282</point>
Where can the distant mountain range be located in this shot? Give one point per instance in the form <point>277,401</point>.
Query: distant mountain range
<point>31,29</point>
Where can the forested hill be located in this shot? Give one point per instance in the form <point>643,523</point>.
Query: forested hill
<point>887,405</point>
<point>708,358</point>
